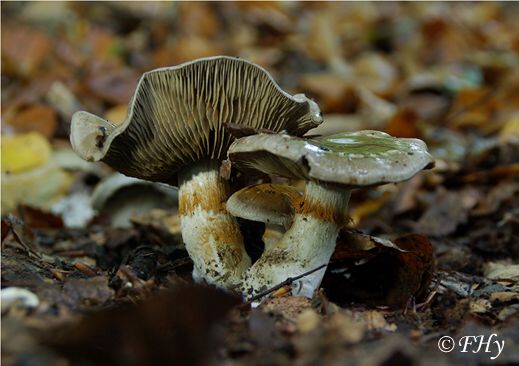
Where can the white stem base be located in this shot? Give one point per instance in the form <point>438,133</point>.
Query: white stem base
<point>211,235</point>
<point>308,244</point>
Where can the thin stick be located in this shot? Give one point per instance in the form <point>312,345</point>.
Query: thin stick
<point>286,282</point>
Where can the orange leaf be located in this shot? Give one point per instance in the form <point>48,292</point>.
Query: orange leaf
<point>38,117</point>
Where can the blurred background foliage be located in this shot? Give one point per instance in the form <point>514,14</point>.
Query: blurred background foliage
<point>444,72</point>
<point>447,73</point>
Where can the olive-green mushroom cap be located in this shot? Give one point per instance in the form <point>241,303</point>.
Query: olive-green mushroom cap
<point>177,115</point>
<point>362,158</point>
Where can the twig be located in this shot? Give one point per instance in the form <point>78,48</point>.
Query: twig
<point>286,282</point>
<point>176,264</point>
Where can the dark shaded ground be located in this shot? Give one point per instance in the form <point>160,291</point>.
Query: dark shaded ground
<point>101,294</point>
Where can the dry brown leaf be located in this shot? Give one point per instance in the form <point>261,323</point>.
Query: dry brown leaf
<point>503,296</point>
<point>197,18</point>
<point>184,49</point>
<point>24,50</point>
<point>37,117</point>
<point>289,307</point>
<point>323,44</point>
<point>501,271</point>
<point>112,84</point>
<point>37,218</point>
<point>308,320</point>
<point>117,114</point>
<point>473,108</point>
<point>447,210</point>
<point>376,73</point>
<point>510,130</point>
<point>334,94</point>
<point>389,273</point>
<point>359,212</point>
<point>442,41</point>
<point>404,123</point>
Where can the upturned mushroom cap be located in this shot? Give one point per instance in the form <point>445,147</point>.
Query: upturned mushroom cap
<point>177,115</point>
<point>362,158</point>
<point>110,185</point>
<point>267,203</point>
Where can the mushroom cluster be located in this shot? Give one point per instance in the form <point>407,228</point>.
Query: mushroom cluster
<point>175,133</point>
<point>332,166</point>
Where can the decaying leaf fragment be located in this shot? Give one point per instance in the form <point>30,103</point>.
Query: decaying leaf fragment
<point>369,270</point>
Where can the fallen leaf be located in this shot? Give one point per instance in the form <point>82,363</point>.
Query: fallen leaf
<point>508,312</point>
<point>37,218</point>
<point>334,94</point>
<point>24,50</point>
<point>323,42</point>
<point>404,124</point>
<point>117,114</point>
<point>94,291</point>
<point>308,320</point>
<point>502,271</point>
<point>184,49</point>
<point>493,199</point>
<point>359,212</point>
<point>176,325</point>
<point>443,42</point>
<point>380,273</point>
<point>40,187</point>
<point>375,72</point>
<point>503,297</point>
<point>472,108</point>
<point>24,152</point>
<point>288,307</point>
<point>497,173</point>
<point>112,84</point>
<point>405,200</point>
<point>38,117</point>
<point>338,123</point>
<point>374,110</point>
<point>198,19</point>
<point>447,210</point>
<point>5,229</point>
<point>510,130</point>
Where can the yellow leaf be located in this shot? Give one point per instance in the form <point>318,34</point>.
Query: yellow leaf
<point>117,114</point>
<point>40,187</point>
<point>24,152</point>
<point>510,129</point>
<point>369,207</point>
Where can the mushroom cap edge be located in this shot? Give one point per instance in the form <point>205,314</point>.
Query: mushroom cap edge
<point>362,158</point>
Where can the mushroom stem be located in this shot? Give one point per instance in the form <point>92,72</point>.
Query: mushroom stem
<point>211,235</point>
<point>308,243</point>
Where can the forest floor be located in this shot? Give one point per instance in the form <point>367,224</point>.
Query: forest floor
<point>112,284</point>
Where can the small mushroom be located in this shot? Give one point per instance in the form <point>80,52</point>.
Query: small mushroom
<point>175,133</point>
<point>121,197</point>
<point>332,166</point>
<point>271,204</point>
<point>268,203</point>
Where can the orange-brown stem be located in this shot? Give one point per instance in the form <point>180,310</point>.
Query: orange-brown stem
<point>211,235</point>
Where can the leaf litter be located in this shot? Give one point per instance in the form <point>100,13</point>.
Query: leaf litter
<point>433,256</point>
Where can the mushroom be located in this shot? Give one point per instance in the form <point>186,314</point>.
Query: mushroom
<point>332,166</point>
<point>174,133</point>
<point>271,204</point>
<point>268,203</point>
<point>121,197</point>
